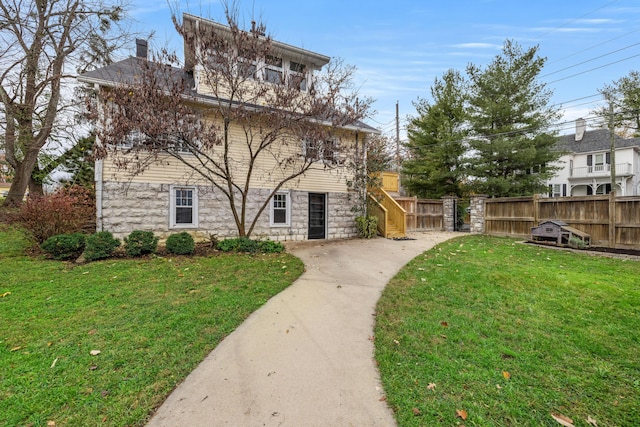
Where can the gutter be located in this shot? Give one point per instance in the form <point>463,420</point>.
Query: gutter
<point>219,103</point>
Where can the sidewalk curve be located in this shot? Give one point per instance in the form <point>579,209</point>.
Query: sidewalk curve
<point>306,357</point>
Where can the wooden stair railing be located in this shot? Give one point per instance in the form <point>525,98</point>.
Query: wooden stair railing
<point>391,216</point>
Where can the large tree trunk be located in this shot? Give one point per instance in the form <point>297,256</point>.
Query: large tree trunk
<point>21,180</point>
<point>35,188</point>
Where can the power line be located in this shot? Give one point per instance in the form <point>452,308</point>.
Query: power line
<point>588,60</point>
<point>579,17</point>
<point>593,69</point>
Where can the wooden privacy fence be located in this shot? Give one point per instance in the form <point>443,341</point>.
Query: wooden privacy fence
<point>611,221</point>
<point>422,214</point>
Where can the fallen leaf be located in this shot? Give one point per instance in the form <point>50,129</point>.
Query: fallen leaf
<point>16,348</point>
<point>416,412</point>
<point>461,413</point>
<point>431,386</point>
<point>383,399</point>
<point>51,424</point>
<point>6,294</point>
<point>592,421</point>
<point>54,362</point>
<point>93,367</point>
<point>396,342</point>
<point>562,420</point>
<point>506,375</point>
<point>91,332</point>
<point>445,324</point>
<point>95,352</point>
<point>498,386</point>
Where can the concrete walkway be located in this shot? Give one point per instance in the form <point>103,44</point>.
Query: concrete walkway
<point>306,357</point>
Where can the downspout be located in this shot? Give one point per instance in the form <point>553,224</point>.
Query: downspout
<point>98,184</point>
<point>98,175</point>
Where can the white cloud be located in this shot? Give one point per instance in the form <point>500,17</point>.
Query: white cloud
<point>477,46</point>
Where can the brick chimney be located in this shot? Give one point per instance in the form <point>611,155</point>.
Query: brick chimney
<point>581,127</point>
<point>141,48</point>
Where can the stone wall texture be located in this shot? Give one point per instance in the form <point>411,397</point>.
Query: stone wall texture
<point>476,203</point>
<point>449,213</point>
<point>136,206</point>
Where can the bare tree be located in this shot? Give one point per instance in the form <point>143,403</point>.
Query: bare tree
<point>43,43</point>
<point>228,134</point>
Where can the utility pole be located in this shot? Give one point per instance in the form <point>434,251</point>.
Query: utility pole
<point>397,137</point>
<point>612,137</point>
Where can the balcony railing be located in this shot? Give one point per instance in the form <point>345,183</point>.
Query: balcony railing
<point>622,169</point>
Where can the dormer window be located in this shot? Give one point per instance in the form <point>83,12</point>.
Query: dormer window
<point>297,76</point>
<point>273,69</point>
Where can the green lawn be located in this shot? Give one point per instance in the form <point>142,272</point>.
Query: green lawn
<point>153,320</point>
<point>511,333</point>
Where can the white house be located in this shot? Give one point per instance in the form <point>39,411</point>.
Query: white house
<point>586,164</point>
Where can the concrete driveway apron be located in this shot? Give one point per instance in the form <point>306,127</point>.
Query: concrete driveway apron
<point>306,357</point>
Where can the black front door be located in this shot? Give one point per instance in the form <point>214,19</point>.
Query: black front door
<point>317,216</point>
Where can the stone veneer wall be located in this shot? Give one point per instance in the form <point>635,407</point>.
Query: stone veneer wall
<point>476,203</point>
<point>143,206</point>
<point>448,211</point>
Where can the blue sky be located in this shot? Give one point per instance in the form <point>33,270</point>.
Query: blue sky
<point>400,46</point>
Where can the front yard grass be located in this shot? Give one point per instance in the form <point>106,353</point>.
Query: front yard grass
<point>152,320</point>
<point>483,331</point>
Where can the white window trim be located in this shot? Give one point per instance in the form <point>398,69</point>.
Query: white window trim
<point>335,159</point>
<point>172,206</point>
<point>288,209</point>
<point>279,69</point>
<point>293,75</point>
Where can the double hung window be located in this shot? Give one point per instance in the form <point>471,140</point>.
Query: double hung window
<point>280,212</point>
<point>184,207</point>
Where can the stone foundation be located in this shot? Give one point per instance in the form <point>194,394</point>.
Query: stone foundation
<point>143,206</point>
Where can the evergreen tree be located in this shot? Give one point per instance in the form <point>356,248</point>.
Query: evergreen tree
<point>510,113</point>
<point>436,140</point>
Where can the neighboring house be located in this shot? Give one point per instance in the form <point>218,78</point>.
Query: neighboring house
<point>168,198</point>
<point>4,169</point>
<point>586,164</point>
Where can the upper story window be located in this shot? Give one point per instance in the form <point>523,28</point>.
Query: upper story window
<point>297,75</point>
<point>598,162</point>
<point>273,69</point>
<point>162,142</point>
<point>321,151</point>
<point>247,65</point>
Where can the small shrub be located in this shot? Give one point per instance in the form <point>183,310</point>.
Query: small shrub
<point>577,243</point>
<point>64,246</point>
<point>140,243</point>
<point>246,245</point>
<point>68,210</point>
<point>271,247</point>
<point>180,244</point>
<point>100,246</point>
<point>367,226</point>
